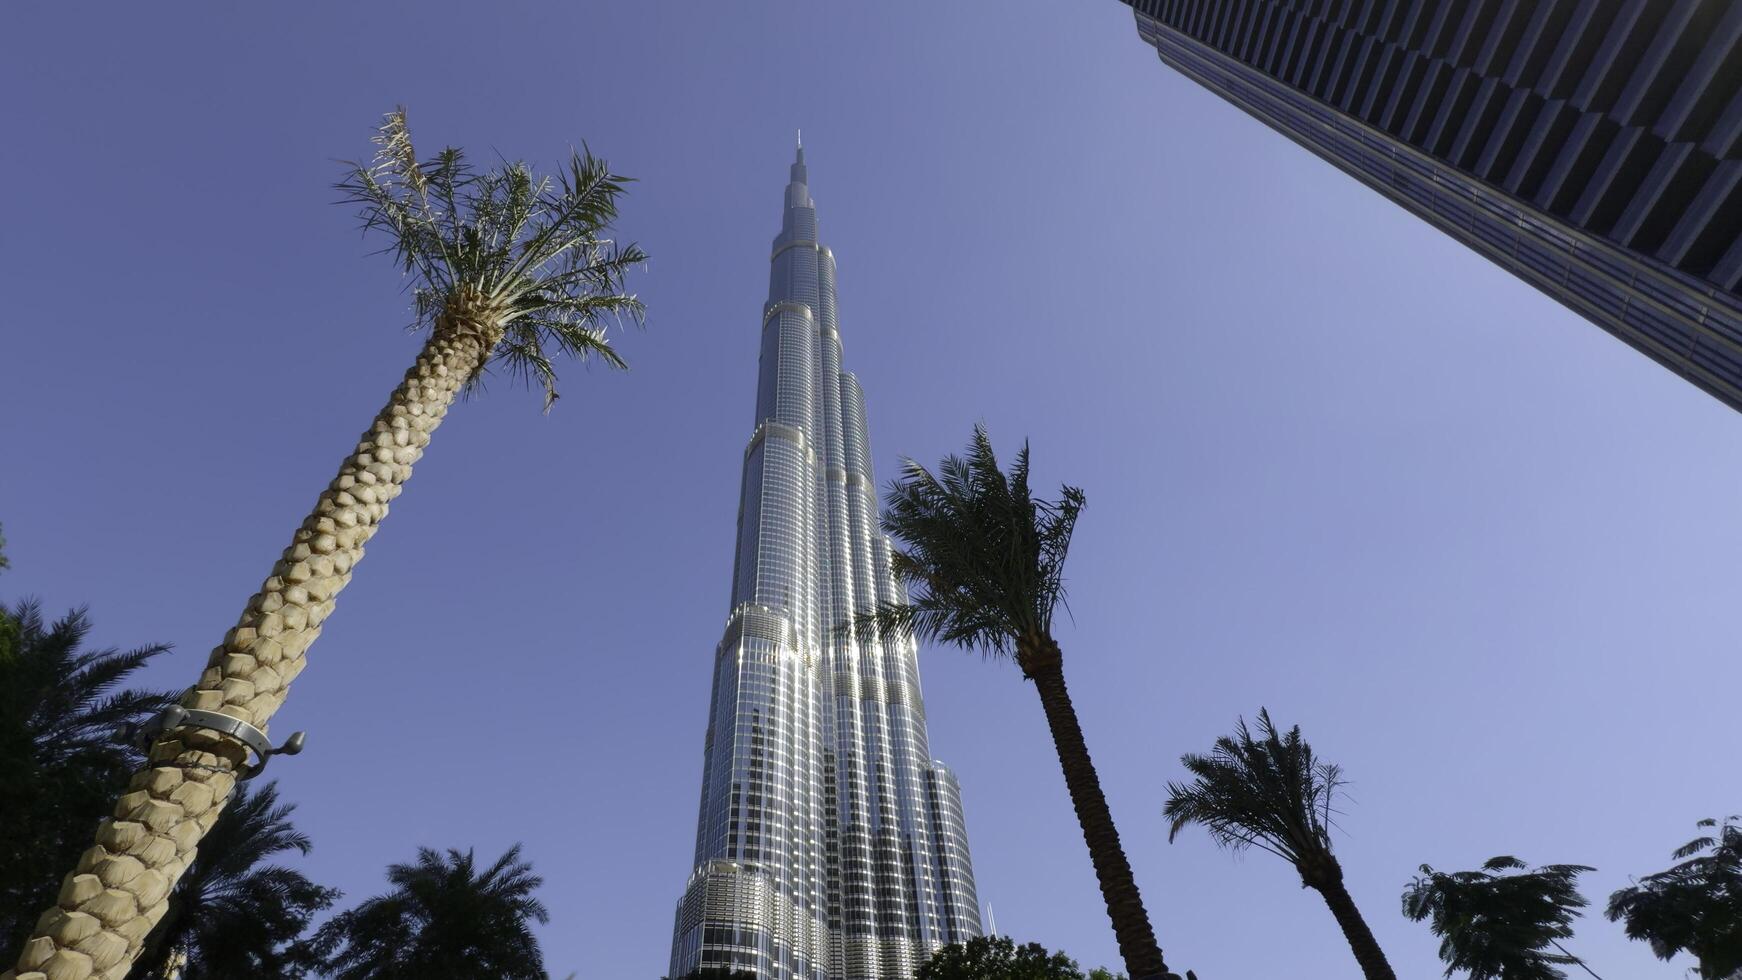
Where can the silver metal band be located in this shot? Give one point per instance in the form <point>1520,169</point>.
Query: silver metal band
<point>175,716</point>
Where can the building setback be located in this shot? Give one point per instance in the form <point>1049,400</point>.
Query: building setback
<point>829,846</point>
<point>1591,147</point>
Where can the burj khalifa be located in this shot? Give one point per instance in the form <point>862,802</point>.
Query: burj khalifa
<point>829,845</point>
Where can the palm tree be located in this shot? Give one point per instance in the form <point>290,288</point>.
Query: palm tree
<point>60,763</point>
<point>1271,793</point>
<point>230,916</point>
<point>1499,926</point>
<point>1694,907</point>
<point>507,268</point>
<point>983,561</point>
<point>443,920</point>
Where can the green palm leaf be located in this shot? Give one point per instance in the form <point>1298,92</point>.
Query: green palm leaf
<point>443,919</point>
<point>525,258</point>
<point>982,560</point>
<point>1268,792</point>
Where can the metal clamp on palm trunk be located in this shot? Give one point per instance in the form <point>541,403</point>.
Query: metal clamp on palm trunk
<point>176,716</point>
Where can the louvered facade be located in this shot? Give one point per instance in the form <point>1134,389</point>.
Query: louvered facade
<point>1592,147</point>
<point>829,844</point>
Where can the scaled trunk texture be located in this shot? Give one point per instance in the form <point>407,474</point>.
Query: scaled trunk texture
<point>121,886</point>
<point>1367,951</point>
<point>1041,661</point>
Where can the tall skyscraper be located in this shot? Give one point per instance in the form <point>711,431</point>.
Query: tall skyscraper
<point>1593,148</point>
<point>829,845</point>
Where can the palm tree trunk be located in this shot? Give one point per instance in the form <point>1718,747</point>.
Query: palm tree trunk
<point>152,952</point>
<point>1366,948</point>
<point>121,887</point>
<point>1041,661</point>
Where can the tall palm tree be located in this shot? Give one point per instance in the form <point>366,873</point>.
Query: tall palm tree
<point>1271,793</point>
<point>507,268</point>
<point>443,920</point>
<point>60,764</point>
<point>1695,906</point>
<point>983,562</point>
<point>1500,926</point>
<point>231,915</point>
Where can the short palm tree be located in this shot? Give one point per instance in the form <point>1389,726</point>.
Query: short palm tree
<point>1694,907</point>
<point>60,763</point>
<point>1500,926</point>
<point>983,562</point>
<point>508,269</point>
<point>231,915</point>
<point>444,919</point>
<point>1268,791</point>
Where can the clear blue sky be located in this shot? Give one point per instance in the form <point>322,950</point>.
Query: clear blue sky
<point>1335,463</point>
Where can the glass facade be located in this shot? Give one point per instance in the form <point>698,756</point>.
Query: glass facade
<point>1589,147</point>
<point>829,844</point>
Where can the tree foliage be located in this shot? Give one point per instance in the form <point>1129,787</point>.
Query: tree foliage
<point>8,626</point>
<point>530,254</point>
<point>1268,792</point>
<point>998,958</point>
<point>1500,926</point>
<point>231,914</point>
<point>60,761</point>
<point>1694,907</point>
<point>982,558</point>
<point>443,919</point>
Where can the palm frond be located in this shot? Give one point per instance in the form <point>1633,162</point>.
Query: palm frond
<point>63,695</point>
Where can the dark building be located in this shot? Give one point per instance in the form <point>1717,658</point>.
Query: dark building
<point>1591,147</point>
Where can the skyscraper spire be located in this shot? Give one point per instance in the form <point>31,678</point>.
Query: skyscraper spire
<point>829,844</point>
